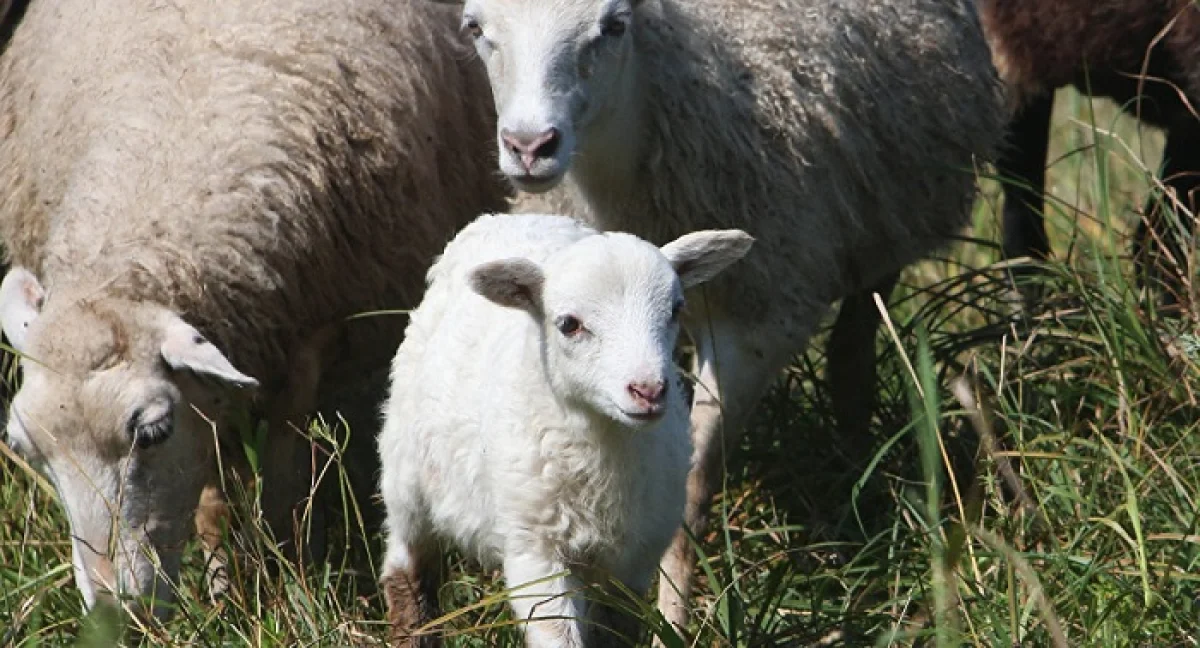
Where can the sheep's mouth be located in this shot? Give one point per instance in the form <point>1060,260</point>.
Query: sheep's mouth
<point>652,414</point>
<point>532,183</point>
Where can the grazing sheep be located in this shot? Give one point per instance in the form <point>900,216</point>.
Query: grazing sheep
<point>197,195</point>
<point>536,418</point>
<point>841,134</point>
<point>1144,54</point>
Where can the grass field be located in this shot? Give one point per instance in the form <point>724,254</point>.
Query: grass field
<point>1038,488</point>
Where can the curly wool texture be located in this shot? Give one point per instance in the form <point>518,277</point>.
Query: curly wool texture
<point>264,169</point>
<point>842,134</point>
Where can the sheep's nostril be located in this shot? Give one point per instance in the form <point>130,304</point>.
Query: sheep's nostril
<point>649,393</point>
<point>547,145</point>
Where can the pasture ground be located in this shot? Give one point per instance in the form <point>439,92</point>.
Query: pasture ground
<point>1039,488</point>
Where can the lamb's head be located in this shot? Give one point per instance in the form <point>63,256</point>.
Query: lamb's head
<point>109,409</point>
<point>608,307</point>
<point>558,68</point>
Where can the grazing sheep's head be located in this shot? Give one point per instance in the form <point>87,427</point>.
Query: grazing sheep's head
<point>109,409</point>
<point>556,67</point>
<point>608,306</point>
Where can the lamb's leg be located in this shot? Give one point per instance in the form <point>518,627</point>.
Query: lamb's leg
<point>1181,174</point>
<point>851,362</point>
<point>619,626</point>
<point>734,366</point>
<point>410,583</point>
<point>553,607</point>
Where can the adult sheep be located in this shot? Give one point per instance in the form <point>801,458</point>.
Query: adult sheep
<point>197,196</point>
<point>1145,54</point>
<point>841,134</point>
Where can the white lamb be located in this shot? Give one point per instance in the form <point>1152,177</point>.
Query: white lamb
<point>536,419</point>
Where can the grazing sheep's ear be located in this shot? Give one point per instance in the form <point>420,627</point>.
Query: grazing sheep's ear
<point>699,256</point>
<point>516,283</point>
<point>21,298</point>
<point>183,348</point>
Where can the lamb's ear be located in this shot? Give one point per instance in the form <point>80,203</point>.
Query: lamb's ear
<point>700,256</point>
<point>21,298</point>
<point>516,283</point>
<point>183,348</point>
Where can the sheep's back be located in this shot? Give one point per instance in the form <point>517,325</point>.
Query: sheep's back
<point>265,168</point>
<point>842,134</point>
<point>1102,47</point>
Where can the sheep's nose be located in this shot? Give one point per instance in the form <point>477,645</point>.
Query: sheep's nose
<point>531,147</point>
<point>648,393</point>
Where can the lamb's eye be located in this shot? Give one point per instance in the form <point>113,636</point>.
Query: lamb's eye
<point>473,27</point>
<point>148,430</point>
<point>613,27</point>
<point>569,325</point>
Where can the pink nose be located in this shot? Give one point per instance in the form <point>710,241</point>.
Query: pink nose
<point>646,393</point>
<point>531,147</point>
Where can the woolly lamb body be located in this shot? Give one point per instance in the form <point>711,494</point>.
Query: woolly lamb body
<point>512,439</point>
<point>1144,54</point>
<point>259,171</point>
<point>842,135</point>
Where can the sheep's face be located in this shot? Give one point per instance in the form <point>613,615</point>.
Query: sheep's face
<point>112,412</point>
<point>556,67</point>
<point>609,309</point>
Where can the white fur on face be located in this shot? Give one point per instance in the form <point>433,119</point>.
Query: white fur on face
<point>129,508</point>
<point>113,428</point>
<point>553,64</point>
<point>625,297</point>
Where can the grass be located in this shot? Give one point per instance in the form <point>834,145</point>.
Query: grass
<point>1034,482</point>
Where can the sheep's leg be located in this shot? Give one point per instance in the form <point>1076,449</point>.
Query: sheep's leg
<point>287,461</point>
<point>1156,236</point>
<point>1022,169</point>
<point>851,361</point>
<point>734,365</point>
<point>552,604</point>
<point>212,515</point>
<point>287,485</point>
<point>410,583</point>
<point>618,626</point>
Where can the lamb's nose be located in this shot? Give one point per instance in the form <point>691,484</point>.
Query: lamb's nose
<point>649,393</point>
<point>531,147</point>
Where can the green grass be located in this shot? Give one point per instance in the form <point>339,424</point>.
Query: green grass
<point>1034,482</point>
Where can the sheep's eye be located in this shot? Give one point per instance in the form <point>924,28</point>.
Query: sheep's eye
<point>613,27</point>
<point>147,433</point>
<point>569,325</point>
<point>473,28</point>
<point>675,310</point>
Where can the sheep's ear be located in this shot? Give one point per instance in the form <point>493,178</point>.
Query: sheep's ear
<point>21,299</point>
<point>516,283</point>
<point>184,349</point>
<point>700,256</point>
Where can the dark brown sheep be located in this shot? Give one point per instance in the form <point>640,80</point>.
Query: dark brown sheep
<point>1143,54</point>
